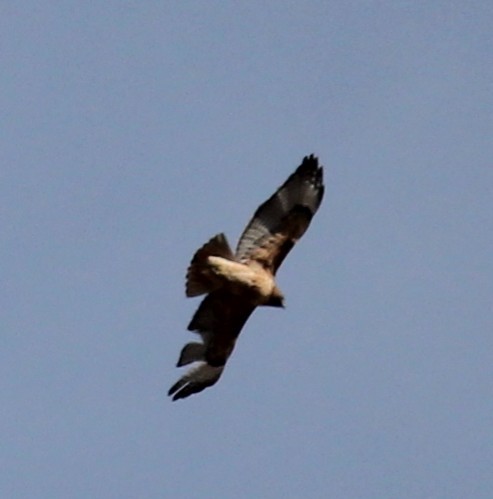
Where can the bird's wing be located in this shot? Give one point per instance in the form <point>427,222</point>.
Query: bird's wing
<point>281,220</point>
<point>196,379</point>
<point>219,320</point>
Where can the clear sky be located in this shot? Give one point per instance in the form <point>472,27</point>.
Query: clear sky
<point>132,132</point>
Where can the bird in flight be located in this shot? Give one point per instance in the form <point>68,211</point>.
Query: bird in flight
<point>236,283</point>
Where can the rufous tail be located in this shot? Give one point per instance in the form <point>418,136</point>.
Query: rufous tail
<point>200,279</point>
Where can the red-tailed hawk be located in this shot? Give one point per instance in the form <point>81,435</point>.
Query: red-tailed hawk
<point>237,283</point>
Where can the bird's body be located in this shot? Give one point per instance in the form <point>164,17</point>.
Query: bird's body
<point>242,278</point>
<point>236,283</point>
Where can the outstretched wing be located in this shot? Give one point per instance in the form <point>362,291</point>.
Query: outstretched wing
<point>219,320</point>
<point>283,218</point>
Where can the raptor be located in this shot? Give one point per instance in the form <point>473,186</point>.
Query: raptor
<point>236,283</point>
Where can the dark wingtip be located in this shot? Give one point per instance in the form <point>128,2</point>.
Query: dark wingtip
<point>313,172</point>
<point>310,166</point>
<point>174,388</point>
<point>179,392</point>
<point>311,159</point>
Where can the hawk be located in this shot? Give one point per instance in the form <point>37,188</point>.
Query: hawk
<point>236,283</point>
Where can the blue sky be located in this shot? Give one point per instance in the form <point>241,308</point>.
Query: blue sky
<point>134,131</point>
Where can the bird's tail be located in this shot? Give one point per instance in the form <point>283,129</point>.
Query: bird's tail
<point>200,279</point>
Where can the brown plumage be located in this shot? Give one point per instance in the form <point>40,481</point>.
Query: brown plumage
<point>237,283</point>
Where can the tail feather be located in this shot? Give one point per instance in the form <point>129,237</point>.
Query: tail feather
<point>199,280</point>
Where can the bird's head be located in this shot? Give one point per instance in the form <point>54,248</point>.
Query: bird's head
<point>276,299</point>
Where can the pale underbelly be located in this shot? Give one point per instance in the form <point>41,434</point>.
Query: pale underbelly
<point>241,276</point>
